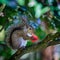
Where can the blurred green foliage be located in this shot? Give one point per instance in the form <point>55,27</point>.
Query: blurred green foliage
<point>38,9</point>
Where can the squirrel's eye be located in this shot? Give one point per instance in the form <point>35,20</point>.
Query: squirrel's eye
<point>30,28</point>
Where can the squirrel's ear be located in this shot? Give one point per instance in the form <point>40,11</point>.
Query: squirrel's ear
<point>24,20</point>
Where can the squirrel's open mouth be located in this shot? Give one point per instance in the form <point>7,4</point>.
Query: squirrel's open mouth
<point>33,37</point>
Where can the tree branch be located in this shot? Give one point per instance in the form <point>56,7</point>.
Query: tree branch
<point>48,41</point>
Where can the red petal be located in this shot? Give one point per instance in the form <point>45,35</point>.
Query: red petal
<point>34,38</point>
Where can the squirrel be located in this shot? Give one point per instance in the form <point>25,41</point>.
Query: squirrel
<point>18,35</point>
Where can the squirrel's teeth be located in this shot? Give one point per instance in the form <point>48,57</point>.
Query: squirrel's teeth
<point>29,35</point>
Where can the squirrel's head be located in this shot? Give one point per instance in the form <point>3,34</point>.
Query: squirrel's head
<point>30,34</point>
